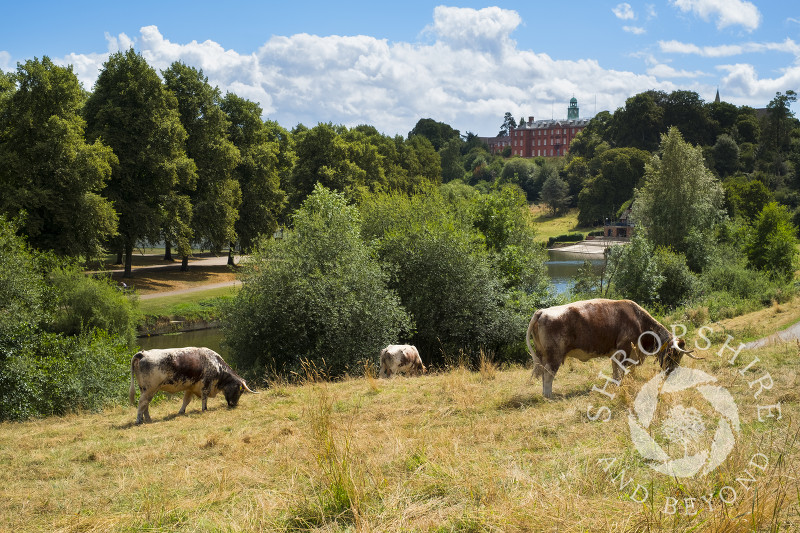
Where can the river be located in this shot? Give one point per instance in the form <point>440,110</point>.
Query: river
<point>561,266</point>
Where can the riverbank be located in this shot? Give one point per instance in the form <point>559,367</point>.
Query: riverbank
<point>595,246</point>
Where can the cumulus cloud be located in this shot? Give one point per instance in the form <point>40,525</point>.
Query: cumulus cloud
<point>624,11</point>
<point>486,29</point>
<point>726,12</point>
<point>468,74</point>
<point>676,47</point>
<point>636,30</point>
<point>661,71</point>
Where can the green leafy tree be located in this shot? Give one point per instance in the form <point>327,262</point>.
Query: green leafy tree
<point>215,199</point>
<point>134,114</point>
<point>438,133</point>
<point>679,284</point>
<point>686,111</point>
<point>444,275</point>
<point>747,199</point>
<point>726,155</point>
<point>640,122</point>
<point>521,172</point>
<point>47,169</point>
<point>555,194</point>
<point>780,122</point>
<point>316,295</point>
<point>450,157</point>
<point>504,219</point>
<point>261,146</point>
<point>614,175</point>
<point>508,124</point>
<point>772,244</point>
<point>635,270</point>
<point>680,200</point>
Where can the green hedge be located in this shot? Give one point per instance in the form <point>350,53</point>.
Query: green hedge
<point>567,237</point>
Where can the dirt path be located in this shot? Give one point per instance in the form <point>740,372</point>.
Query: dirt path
<point>203,287</point>
<point>789,334</point>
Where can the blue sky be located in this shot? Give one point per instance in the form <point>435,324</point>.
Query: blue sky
<point>466,64</point>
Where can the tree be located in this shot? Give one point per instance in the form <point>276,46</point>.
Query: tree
<point>726,155</point>
<point>680,199</point>
<point>450,156</point>
<point>132,112</point>
<point>640,122</point>
<point>615,174</point>
<point>443,273</point>
<point>555,194</point>
<point>635,270</point>
<point>521,172</point>
<point>686,111</point>
<point>259,169</point>
<point>49,175</point>
<point>508,123</point>
<point>772,244</point>
<point>747,199</point>
<point>438,133</point>
<point>316,295</point>
<point>215,199</point>
<point>780,121</point>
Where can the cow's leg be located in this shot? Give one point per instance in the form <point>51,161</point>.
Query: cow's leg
<point>143,412</point>
<point>204,398</point>
<point>187,397</point>
<point>547,383</point>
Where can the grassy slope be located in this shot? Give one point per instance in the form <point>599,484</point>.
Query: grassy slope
<point>548,226</point>
<point>455,451</point>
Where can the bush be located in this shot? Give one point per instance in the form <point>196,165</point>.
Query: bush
<point>567,237</point>
<point>445,277</point>
<point>635,270</point>
<point>82,302</point>
<point>679,285</point>
<point>771,245</point>
<point>317,295</point>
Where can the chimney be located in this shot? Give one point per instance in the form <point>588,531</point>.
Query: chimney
<point>530,120</point>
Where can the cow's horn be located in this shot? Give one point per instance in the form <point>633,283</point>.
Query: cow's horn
<point>248,388</point>
<point>689,353</point>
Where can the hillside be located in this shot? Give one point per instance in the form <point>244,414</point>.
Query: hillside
<point>452,451</point>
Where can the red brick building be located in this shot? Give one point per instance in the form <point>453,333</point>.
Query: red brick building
<point>541,138</point>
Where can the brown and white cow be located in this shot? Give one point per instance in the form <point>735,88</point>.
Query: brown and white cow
<point>401,359</point>
<point>197,372</point>
<point>599,328</point>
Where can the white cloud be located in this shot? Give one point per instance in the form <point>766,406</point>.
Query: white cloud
<point>636,30</point>
<point>726,12</point>
<point>662,71</point>
<point>676,47</point>
<point>624,11</point>
<point>467,74</point>
<point>5,61</point>
<point>486,29</point>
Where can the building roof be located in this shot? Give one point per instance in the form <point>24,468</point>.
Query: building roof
<point>547,124</point>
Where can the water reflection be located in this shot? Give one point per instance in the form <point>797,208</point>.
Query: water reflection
<point>210,338</point>
<point>562,266</point>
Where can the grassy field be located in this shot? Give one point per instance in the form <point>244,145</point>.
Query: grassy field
<point>460,450</point>
<point>548,226</point>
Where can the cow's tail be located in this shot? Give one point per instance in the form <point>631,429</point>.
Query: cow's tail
<point>537,363</point>
<point>132,390</point>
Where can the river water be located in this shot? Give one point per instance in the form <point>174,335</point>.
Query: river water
<point>561,266</point>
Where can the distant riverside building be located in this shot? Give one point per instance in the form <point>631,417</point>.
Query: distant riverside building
<point>541,138</point>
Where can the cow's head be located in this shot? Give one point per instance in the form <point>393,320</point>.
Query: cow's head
<point>233,390</point>
<point>671,354</point>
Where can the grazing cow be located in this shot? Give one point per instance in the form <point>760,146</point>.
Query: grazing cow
<point>401,358</point>
<point>195,371</point>
<point>599,328</point>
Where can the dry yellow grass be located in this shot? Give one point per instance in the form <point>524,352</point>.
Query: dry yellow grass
<point>450,451</point>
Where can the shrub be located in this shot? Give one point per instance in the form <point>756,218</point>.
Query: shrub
<point>635,270</point>
<point>566,237</point>
<point>83,302</point>
<point>771,245</point>
<point>679,285</point>
<point>318,295</point>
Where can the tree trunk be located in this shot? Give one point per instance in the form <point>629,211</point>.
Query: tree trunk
<point>185,263</point>
<point>119,257</point>
<point>128,259</point>
<point>167,251</point>
<point>231,262</point>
